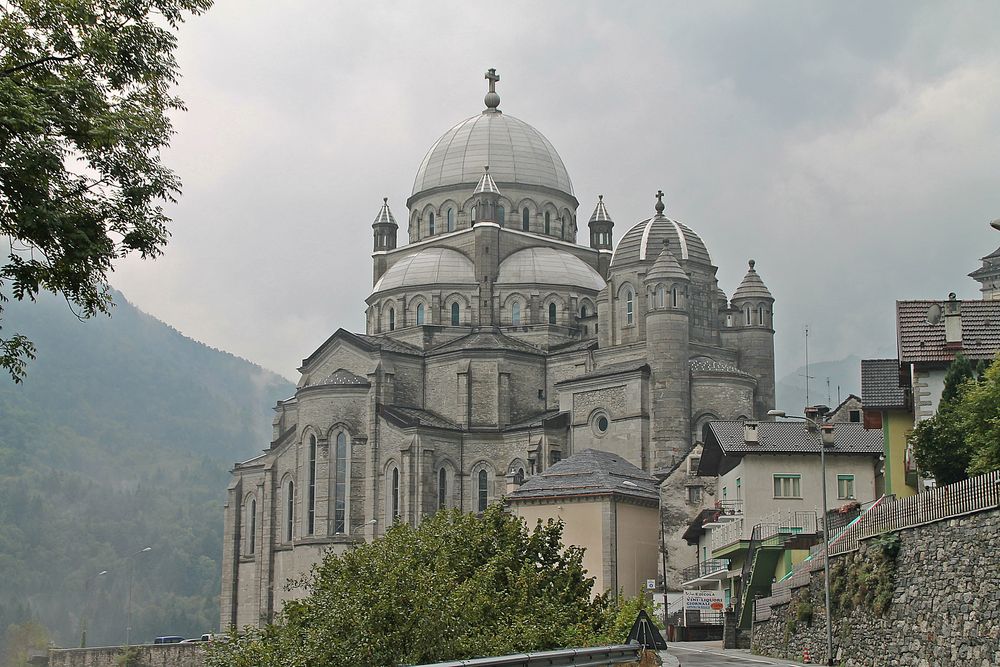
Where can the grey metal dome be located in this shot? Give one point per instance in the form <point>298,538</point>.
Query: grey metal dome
<point>547,266</point>
<point>645,240</point>
<point>432,266</point>
<point>516,153</point>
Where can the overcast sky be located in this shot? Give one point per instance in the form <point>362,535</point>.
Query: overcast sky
<point>851,148</point>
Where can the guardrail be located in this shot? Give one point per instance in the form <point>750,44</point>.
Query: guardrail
<point>730,507</point>
<point>730,533</point>
<point>579,657</point>
<point>704,569</point>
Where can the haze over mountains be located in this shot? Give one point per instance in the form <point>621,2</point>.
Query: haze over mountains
<point>121,437</point>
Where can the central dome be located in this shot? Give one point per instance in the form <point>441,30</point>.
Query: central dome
<point>515,152</point>
<point>547,266</point>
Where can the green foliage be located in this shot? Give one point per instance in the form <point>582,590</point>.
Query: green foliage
<point>963,437</point>
<point>121,436</point>
<point>84,104</point>
<point>866,580</point>
<point>458,586</point>
<point>19,640</point>
<point>129,656</point>
<point>804,612</point>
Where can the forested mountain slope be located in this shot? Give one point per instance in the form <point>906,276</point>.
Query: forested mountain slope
<point>120,438</point>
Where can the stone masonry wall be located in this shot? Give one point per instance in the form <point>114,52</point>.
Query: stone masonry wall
<point>945,608</point>
<point>151,655</point>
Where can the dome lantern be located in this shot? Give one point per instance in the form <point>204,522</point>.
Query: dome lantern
<point>600,225</point>
<point>385,228</point>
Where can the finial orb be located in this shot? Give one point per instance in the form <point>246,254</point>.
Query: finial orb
<point>659,201</point>
<point>752,263</point>
<point>385,200</point>
<point>601,198</point>
<point>492,100</point>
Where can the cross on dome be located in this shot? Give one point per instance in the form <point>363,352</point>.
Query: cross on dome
<point>492,98</point>
<point>659,202</point>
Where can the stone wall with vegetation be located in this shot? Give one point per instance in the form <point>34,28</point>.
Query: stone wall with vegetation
<point>927,596</point>
<point>158,655</point>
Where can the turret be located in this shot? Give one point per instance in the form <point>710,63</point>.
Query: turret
<point>667,337</point>
<point>486,198</point>
<point>385,229</point>
<point>753,336</point>
<point>601,226</point>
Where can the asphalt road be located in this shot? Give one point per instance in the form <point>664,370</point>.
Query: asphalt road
<point>701,656</point>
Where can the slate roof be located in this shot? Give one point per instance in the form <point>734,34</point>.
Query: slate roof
<point>695,528</point>
<point>920,341</point>
<point>752,286</point>
<point>388,344</point>
<point>600,213</point>
<point>384,216</point>
<point>534,420</point>
<point>417,417</point>
<point>343,377</point>
<point>489,339</point>
<point>706,365</point>
<point>590,472</point>
<point>610,369</point>
<point>880,384</point>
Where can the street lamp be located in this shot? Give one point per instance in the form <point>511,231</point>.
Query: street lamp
<point>372,522</point>
<point>131,570</point>
<point>826,440</point>
<point>86,607</point>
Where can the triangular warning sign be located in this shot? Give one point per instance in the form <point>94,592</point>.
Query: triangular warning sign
<point>645,633</point>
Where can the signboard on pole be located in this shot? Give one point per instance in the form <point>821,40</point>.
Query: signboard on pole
<point>704,600</point>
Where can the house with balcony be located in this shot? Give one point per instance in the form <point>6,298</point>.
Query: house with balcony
<point>768,477</point>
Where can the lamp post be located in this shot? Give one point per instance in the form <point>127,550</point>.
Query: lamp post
<point>826,440</point>
<point>131,570</point>
<point>371,522</point>
<point>86,606</point>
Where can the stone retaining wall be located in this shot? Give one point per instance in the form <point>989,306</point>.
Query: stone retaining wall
<point>150,655</point>
<point>945,608</point>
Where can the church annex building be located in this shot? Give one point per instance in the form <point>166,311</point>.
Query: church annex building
<point>496,347</point>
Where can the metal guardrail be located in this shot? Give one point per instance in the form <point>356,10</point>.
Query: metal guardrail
<point>729,507</point>
<point>704,569</point>
<point>578,657</point>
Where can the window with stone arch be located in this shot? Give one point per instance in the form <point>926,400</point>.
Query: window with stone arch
<point>392,319</point>
<point>289,510</point>
<point>525,220</point>
<point>473,215</point>
<point>760,315</point>
<point>430,224</point>
<point>420,313</point>
<point>548,226</point>
<point>392,509</point>
<point>661,296</point>
<point>629,308</point>
<point>442,488</point>
<point>341,472</point>
<point>482,490</point>
<point>501,216</point>
<point>553,312</point>
<point>311,472</point>
<point>583,311</point>
<point>456,314</point>
<point>450,220</point>
<point>673,297</point>
<point>515,313</point>
<point>747,316</point>
<point>251,525</point>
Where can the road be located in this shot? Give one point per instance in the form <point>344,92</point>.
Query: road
<point>700,655</point>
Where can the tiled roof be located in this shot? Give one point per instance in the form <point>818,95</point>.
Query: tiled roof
<point>418,417</point>
<point>486,340</point>
<point>706,365</point>
<point>611,369</point>
<point>880,384</point>
<point>574,346</point>
<point>752,286</point>
<point>791,437</point>
<point>590,472</point>
<point>534,420</point>
<point>388,344</point>
<point>919,340</point>
<point>343,377</point>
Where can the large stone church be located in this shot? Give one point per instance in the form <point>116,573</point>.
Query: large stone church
<point>496,345</point>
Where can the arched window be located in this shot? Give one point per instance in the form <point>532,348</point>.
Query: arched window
<point>552,313</point>
<point>747,314</point>
<point>340,487</point>
<point>392,319</point>
<point>420,313</point>
<point>501,215</point>
<point>451,219</point>
<point>395,494</point>
<point>525,220</point>
<point>473,215</point>
<point>583,311</point>
<point>548,227</point>
<point>483,489</point>
<point>442,489</point>
<point>252,525</point>
<point>456,313</point>
<point>311,525</point>
<point>628,307</point>
<point>661,296</point>
<point>673,296</point>
<point>430,225</point>
<point>760,315</point>
<point>519,476</point>
<point>289,510</point>
<point>515,314</point>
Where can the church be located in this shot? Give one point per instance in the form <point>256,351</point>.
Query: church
<point>495,347</point>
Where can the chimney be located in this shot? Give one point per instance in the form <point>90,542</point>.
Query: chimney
<point>750,432</point>
<point>953,323</point>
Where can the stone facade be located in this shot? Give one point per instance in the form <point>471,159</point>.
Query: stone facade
<point>158,655</point>
<point>945,607</point>
<point>495,346</point>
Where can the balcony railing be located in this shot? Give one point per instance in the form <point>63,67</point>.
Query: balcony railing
<point>704,569</point>
<point>730,507</point>
<point>776,523</point>
<point>729,533</point>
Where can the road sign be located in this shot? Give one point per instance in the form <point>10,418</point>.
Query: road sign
<point>651,584</point>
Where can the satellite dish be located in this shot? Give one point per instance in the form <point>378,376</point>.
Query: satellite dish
<point>934,314</point>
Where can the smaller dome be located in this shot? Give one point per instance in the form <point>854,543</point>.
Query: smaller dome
<point>547,266</point>
<point>666,267</point>
<point>752,286</point>
<point>643,241</point>
<point>428,267</point>
<point>720,294</point>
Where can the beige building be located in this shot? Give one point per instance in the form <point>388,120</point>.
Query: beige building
<point>495,347</point>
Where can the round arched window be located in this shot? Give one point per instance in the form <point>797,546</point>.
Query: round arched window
<point>600,423</point>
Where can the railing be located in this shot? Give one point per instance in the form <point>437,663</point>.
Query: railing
<point>730,507</point>
<point>966,497</point>
<point>704,569</point>
<point>805,523</point>
<point>730,533</point>
<point>581,657</point>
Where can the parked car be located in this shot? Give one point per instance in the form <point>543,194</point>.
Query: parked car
<point>168,639</point>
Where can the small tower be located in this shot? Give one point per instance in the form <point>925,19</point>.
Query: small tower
<point>384,231</point>
<point>486,198</point>
<point>753,335</point>
<point>988,275</point>
<point>601,226</point>
<point>667,340</point>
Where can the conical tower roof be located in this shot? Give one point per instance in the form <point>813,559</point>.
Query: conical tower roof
<point>666,266</point>
<point>752,286</point>
<point>384,216</point>
<point>486,184</point>
<point>601,212</point>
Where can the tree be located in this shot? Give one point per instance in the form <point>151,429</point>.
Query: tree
<point>939,443</point>
<point>84,103</point>
<point>980,410</point>
<point>20,640</point>
<point>456,587</point>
